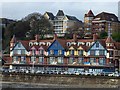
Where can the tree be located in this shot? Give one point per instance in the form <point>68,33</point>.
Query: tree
<point>77,28</point>
<point>38,25</point>
<point>103,34</point>
<point>18,28</point>
<point>116,36</point>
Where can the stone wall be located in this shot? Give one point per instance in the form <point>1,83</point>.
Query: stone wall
<point>74,81</point>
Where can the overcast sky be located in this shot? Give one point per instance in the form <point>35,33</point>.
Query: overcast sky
<point>18,10</point>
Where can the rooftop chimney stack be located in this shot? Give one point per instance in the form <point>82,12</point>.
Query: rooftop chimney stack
<point>75,37</point>
<point>55,36</point>
<point>37,37</point>
<point>95,37</point>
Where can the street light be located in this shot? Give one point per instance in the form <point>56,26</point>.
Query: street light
<point>33,66</point>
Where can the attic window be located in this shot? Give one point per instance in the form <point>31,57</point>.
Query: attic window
<point>97,45</point>
<point>19,45</point>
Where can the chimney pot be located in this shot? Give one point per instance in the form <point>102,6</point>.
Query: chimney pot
<point>95,37</point>
<point>36,37</point>
<point>74,37</point>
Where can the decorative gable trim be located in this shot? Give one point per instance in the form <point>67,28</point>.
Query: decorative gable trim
<point>95,43</point>
<point>71,48</point>
<point>17,44</point>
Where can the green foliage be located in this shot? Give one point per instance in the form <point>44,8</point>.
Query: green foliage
<point>77,28</point>
<point>116,36</point>
<point>26,28</point>
<point>38,25</point>
<point>103,34</point>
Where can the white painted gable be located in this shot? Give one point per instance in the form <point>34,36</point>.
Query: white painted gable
<point>18,49</point>
<point>19,46</point>
<point>97,49</point>
<point>100,46</point>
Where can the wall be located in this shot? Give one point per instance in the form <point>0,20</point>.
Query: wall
<point>78,81</point>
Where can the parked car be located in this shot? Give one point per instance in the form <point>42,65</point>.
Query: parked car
<point>66,72</point>
<point>5,70</point>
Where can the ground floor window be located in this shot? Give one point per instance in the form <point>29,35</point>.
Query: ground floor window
<point>15,60</point>
<point>80,60</point>
<point>52,60</point>
<point>70,60</point>
<point>92,61</point>
<point>102,61</point>
<point>41,60</point>
<point>33,59</point>
<point>23,60</point>
<point>60,60</point>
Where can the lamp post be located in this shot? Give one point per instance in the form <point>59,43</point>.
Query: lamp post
<point>33,66</point>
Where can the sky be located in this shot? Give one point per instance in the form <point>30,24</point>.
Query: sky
<point>16,9</point>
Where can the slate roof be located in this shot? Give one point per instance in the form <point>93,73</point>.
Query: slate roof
<point>72,18</point>
<point>107,16</point>
<point>89,14</point>
<point>63,42</point>
<point>60,13</point>
<point>25,44</point>
<point>50,15</point>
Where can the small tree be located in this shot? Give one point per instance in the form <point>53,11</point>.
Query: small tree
<point>77,28</point>
<point>116,36</point>
<point>103,34</point>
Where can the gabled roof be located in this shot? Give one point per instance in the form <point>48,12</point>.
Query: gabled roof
<point>51,16</point>
<point>101,42</point>
<point>24,43</point>
<point>109,39</point>
<point>107,16</point>
<point>72,18</point>
<point>60,13</point>
<point>89,14</point>
<point>58,42</point>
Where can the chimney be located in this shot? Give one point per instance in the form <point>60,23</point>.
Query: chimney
<point>37,37</point>
<point>74,37</point>
<point>95,37</point>
<point>55,36</point>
